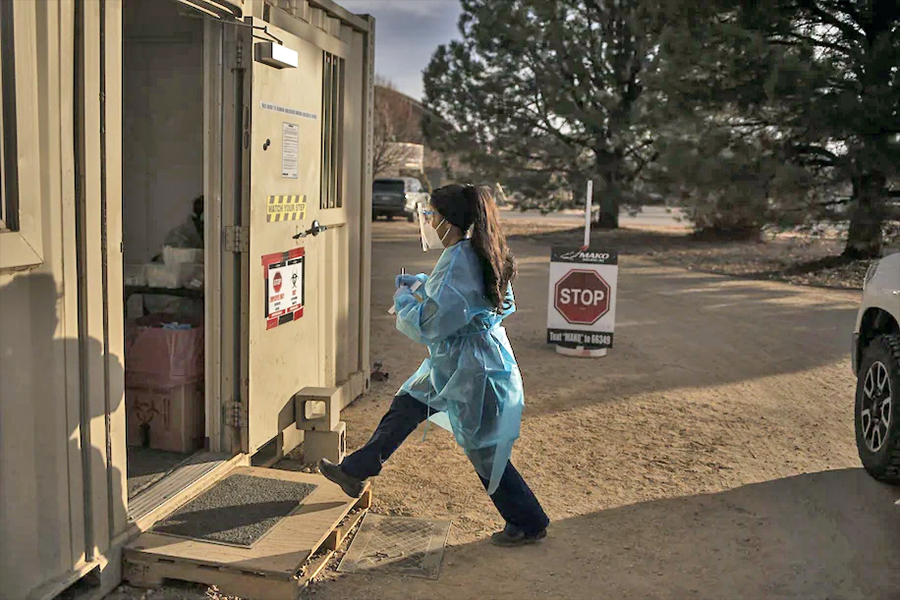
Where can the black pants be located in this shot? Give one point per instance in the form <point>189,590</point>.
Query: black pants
<point>514,499</point>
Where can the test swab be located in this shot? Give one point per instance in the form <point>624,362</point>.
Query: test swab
<point>412,288</point>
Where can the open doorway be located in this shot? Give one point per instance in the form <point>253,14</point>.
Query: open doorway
<point>163,233</point>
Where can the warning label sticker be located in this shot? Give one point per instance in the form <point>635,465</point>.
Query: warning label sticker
<point>290,150</point>
<point>287,111</point>
<point>285,208</point>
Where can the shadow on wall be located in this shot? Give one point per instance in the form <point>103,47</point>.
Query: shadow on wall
<point>821,535</point>
<point>42,515</point>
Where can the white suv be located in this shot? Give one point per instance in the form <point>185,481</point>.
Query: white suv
<point>876,364</point>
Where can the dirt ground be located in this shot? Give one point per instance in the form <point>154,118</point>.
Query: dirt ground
<point>788,257</point>
<point>709,455</point>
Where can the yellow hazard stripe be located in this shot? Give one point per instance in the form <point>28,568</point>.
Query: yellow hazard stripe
<point>285,207</point>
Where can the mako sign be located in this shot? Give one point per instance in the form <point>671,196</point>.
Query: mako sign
<point>581,311</point>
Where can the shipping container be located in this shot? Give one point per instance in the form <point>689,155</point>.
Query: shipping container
<point>136,368</point>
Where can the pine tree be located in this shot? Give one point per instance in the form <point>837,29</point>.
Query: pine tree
<point>551,90</point>
<point>817,79</point>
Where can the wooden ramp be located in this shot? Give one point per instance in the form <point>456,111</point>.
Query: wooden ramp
<point>277,567</point>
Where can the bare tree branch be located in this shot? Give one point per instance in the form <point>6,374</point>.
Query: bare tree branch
<point>396,122</point>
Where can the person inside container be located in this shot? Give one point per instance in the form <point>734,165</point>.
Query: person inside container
<point>471,383</point>
<point>188,234</point>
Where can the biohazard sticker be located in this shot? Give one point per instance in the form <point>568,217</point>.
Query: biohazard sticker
<point>285,287</point>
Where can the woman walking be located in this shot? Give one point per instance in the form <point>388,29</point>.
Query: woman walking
<point>471,378</point>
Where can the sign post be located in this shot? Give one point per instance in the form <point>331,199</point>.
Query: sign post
<point>581,310</point>
<point>588,214</point>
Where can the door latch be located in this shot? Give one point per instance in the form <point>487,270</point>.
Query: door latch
<point>315,230</point>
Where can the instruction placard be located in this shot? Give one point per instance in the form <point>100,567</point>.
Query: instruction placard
<point>285,286</point>
<point>581,311</point>
<point>290,150</point>
<point>285,208</point>
<point>287,110</point>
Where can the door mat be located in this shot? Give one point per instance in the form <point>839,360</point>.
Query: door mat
<point>146,466</point>
<point>397,545</point>
<point>237,511</point>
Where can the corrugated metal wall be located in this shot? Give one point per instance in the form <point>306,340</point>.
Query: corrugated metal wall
<point>62,452</point>
<point>62,423</point>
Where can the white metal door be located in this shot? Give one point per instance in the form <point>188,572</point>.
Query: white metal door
<point>284,146</point>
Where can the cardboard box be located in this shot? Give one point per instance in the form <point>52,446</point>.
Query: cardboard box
<point>172,418</point>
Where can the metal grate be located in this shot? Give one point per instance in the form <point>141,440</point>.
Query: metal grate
<point>397,545</point>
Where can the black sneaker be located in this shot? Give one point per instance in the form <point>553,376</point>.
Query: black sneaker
<point>512,536</point>
<point>352,487</point>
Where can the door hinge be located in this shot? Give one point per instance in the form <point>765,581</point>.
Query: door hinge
<point>237,239</point>
<point>234,413</point>
<point>239,57</point>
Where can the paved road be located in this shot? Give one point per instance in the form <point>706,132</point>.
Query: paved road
<point>650,216</point>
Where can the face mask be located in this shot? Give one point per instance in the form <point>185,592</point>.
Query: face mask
<point>431,240</point>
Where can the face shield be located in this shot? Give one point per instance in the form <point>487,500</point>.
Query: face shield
<point>431,240</point>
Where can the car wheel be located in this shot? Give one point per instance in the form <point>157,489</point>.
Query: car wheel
<point>410,217</point>
<point>390,217</point>
<point>876,417</point>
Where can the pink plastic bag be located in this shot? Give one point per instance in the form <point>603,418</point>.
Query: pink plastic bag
<point>156,357</point>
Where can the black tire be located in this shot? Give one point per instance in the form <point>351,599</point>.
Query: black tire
<point>410,218</point>
<point>877,381</point>
<point>390,216</point>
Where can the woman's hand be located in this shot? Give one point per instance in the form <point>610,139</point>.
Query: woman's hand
<point>403,297</point>
<point>409,280</point>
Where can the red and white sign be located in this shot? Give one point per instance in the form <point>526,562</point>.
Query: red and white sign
<point>284,286</point>
<point>582,298</point>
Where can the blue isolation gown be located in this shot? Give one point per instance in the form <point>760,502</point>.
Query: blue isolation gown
<point>471,380</point>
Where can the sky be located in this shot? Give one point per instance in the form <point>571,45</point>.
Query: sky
<point>407,32</point>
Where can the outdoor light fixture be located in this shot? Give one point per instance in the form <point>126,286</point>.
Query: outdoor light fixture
<point>217,9</point>
<point>276,55</point>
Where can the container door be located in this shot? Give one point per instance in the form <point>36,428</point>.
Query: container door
<point>283,137</point>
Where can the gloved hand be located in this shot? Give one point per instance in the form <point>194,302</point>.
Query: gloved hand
<point>409,280</point>
<point>403,297</point>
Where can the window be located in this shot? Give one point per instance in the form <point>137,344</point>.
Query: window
<point>8,196</point>
<point>388,186</point>
<point>21,194</point>
<point>332,131</point>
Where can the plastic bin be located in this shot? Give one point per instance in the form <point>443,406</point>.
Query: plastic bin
<point>159,356</point>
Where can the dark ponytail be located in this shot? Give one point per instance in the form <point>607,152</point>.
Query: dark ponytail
<point>468,206</point>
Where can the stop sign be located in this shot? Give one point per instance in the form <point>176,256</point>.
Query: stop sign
<point>581,297</point>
